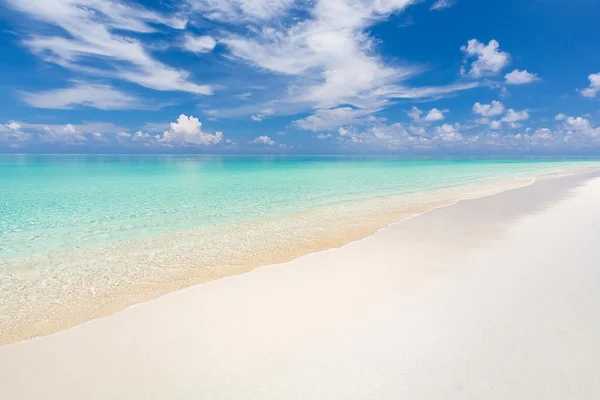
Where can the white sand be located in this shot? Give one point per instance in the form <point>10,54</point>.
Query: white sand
<point>495,298</point>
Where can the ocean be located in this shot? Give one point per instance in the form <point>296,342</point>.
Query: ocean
<point>85,235</point>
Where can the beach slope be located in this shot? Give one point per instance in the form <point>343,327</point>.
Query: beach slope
<point>493,298</point>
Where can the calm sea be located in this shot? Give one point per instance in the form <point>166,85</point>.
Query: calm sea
<point>83,235</point>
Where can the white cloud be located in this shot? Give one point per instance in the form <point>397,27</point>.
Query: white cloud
<point>13,126</point>
<point>329,55</point>
<point>580,128</point>
<point>98,136</point>
<point>69,128</point>
<point>141,136</point>
<point>431,116</point>
<point>495,125</point>
<point>395,137</point>
<point>11,132</point>
<point>264,140</point>
<point>415,113</point>
<point>560,117</point>
<point>448,133</point>
<point>324,135</point>
<point>496,108</point>
<point>243,96</point>
<point>578,124</point>
<point>489,60</point>
<point>379,136</point>
<point>440,5</point>
<point>417,130</point>
<point>343,131</point>
<point>488,110</point>
<point>515,116</point>
<point>434,115</point>
<point>332,118</point>
<point>97,40</point>
<point>199,44</point>
<point>262,115</point>
<point>104,97</point>
<point>520,77</point>
<point>241,10</point>
<point>594,87</point>
<point>189,130</point>
<point>66,134</point>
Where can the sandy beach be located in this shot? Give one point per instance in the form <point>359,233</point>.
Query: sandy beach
<point>492,298</point>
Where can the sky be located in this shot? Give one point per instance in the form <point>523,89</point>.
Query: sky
<point>505,77</point>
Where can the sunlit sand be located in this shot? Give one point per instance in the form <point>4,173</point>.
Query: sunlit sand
<point>489,298</point>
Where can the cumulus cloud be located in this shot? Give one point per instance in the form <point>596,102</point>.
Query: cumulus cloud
<point>332,118</point>
<point>560,117</point>
<point>199,44</point>
<point>188,130</point>
<point>434,115</point>
<point>98,136</point>
<point>11,133</point>
<point>415,113</point>
<point>520,77</point>
<point>594,87</point>
<point>495,125</point>
<point>14,126</point>
<point>141,136</point>
<point>104,97</point>
<point>496,108</point>
<point>573,135</point>
<point>431,116</point>
<point>488,110</point>
<point>417,130</point>
<point>448,132</point>
<point>324,135</point>
<point>515,116</point>
<point>579,128</point>
<point>378,136</point>
<point>489,60</point>
<point>66,134</point>
<point>578,124</point>
<point>440,5</point>
<point>264,140</point>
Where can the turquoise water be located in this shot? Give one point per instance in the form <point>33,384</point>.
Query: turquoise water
<point>83,236</point>
<point>50,202</point>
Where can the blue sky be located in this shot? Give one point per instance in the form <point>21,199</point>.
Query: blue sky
<point>285,76</point>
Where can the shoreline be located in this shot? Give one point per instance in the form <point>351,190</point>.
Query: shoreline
<point>463,302</point>
<point>34,323</point>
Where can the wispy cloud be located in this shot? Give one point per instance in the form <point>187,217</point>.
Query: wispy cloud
<point>97,31</point>
<point>104,97</point>
<point>440,5</point>
<point>329,57</point>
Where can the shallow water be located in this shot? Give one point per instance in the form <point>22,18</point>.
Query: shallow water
<point>54,202</point>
